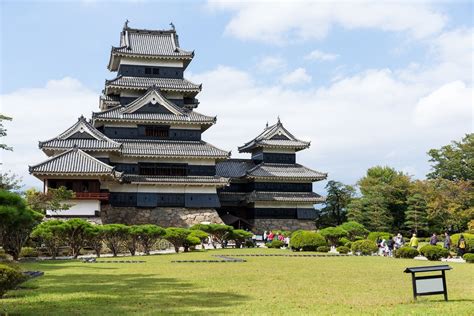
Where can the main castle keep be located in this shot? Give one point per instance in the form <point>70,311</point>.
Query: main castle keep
<point>142,157</point>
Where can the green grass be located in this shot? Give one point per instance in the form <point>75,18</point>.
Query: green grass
<point>260,286</point>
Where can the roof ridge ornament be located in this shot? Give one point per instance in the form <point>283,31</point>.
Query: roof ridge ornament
<point>172,26</point>
<point>125,25</point>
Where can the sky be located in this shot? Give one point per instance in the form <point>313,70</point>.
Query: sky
<point>367,82</point>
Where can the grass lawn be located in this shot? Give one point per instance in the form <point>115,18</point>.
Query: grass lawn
<point>260,286</point>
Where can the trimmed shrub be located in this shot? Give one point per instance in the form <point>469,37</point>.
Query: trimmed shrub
<point>343,241</point>
<point>434,253</point>
<point>9,278</point>
<point>348,244</point>
<point>406,252</point>
<point>343,250</point>
<point>275,244</point>
<point>469,238</point>
<point>323,249</point>
<point>333,234</point>
<point>28,252</point>
<point>249,244</point>
<point>354,229</point>
<point>364,247</point>
<point>303,240</point>
<point>469,257</point>
<point>382,235</point>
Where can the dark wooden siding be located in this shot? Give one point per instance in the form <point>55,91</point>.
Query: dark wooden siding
<point>143,199</point>
<point>149,71</point>
<point>139,133</point>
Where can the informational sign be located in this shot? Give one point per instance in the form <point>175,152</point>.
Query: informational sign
<point>432,284</point>
<point>429,285</point>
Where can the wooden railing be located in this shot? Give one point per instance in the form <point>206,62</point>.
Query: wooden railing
<point>92,196</point>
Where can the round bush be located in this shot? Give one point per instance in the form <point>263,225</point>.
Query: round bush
<point>434,253</point>
<point>306,240</point>
<point>28,252</point>
<point>406,252</point>
<point>275,244</point>
<point>9,278</point>
<point>343,250</point>
<point>364,247</point>
<point>469,257</point>
<point>323,249</point>
<point>382,235</point>
<point>348,244</point>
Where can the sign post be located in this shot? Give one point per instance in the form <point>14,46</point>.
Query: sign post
<point>429,284</point>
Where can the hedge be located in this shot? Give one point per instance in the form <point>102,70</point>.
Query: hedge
<point>406,252</point>
<point>364,247</point>
<point>9,278</point>
<point>434,253</point>
<point>323,249</point>
<point>469,257</point>
<point>343,250</point>
<point>275,244</point>
<point>306,240</point>
<point>469,238</point>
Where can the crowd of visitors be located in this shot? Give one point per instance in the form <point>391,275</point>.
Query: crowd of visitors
<point>387,247</point>
<point>269,236</point>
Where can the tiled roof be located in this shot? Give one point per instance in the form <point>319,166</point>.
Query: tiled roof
<point>143,83</point>
<point>293,171</point>
<point>232,196</point>
<point>175,179</point>
<point>73,162</point>
<point>107,101</point>
<point>167,148</point>
<point>83,135</point>
<point>153,96</point>
<point>285,196</point>
<point>234,168</point>
<point>275,136</point>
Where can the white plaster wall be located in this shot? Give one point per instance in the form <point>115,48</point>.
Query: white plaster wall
<point>144,188</point>
<point>78,208</point>
<point>202,162</point>
<point>269,204</point>
<point>151,62</point>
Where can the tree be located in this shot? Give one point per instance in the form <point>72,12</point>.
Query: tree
<point>338,197</point>
<point>202,235</point>
<point>148,235</point>
<point>416,217</point>
<point>177,236</point>
<point>115,236</point>
<point>53,200</point>
<point>377,213</point>
<point>95,238</point>
<point>9,181</point>
<point>239,236</point>
<point>74,232</point>
<point>354,229</point>
<point>333,234</point>
<point>217,231</point>
<point>3,131</point>
<point>16,222</point>
<point>132,239</point>
<point>454,161</point>
<point>51,234</point>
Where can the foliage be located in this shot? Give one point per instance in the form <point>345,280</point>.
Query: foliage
<point>343,250</point>
<point>148,235</point>
<point>454,161</point>
<point>10,278</point>
<point>132,238</point>
<point>434,253</point>
<point>178,237</point>
<point>469,257</point>
<point>239,236</point>
<point>416,217</point>
<point>53,200</point>
<point>364,247</point>
<point>275,244</point>
<point>74,232</point>
<point>348,244</point>
<point>10,181</point>
<point>115,236</point>
<point>338,197</point>
<point>3,131</point>
<point>28,252</point>
<point>190,242</point>
<point>406,252</point>
<point>332,234</point>
<point>50,233</point>
<point>376,235</point>
<point>306,240</point>
<point>94,238</point>
<point>342,241</point>
<point>469,238</point>
<point>323,249</point>
<point>354,229</point>
<point>16,222</point>
<point>219,232</point>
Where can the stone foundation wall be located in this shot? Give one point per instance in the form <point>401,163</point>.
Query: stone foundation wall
<point>261,225</point>
<point>161,216</point>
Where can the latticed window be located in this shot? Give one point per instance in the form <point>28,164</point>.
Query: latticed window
<point>151,169</point>
<point>156,131</point>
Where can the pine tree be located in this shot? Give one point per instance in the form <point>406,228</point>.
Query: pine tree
<point>416,217</point>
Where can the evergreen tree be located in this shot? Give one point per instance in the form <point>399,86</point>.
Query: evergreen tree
<point>338,198</point>
<point>416,217</point>
<point>377,215</point>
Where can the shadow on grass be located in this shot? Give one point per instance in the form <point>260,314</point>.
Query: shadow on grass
<point>114,293</point>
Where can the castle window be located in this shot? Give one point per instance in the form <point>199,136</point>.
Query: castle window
<point>147,71</point>
<point>156,71</point>
<point>157,131</point>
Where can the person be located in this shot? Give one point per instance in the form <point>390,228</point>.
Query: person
<point>270,236</point>
<point>265,236</point>
<point>433,240</point>
<point>287,242</point>
<point>461,246</point>
<point>281,237</point>
<point>447,241</point>
<point>398,241</point>
<point>414,241</point>
<point>382,245</point>
<point>390,244</point>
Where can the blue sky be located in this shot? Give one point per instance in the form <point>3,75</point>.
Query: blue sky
<point>369,83</point>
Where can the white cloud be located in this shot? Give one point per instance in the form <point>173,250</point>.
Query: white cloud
<point>449,104</point>
<point>286,21</point>
<point>297,76</point>
<point>321,56</point>
<point>40,114</point>
<point>271,64</point>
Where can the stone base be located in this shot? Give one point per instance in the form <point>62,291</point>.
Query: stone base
<point>260,225</point>
<point>161,216</point>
